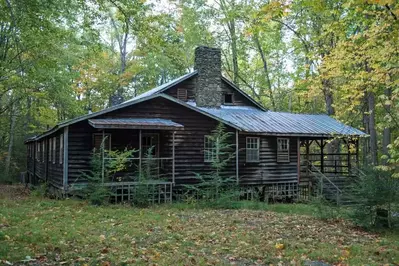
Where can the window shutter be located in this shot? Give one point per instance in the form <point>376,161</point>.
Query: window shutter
<point>182,94</point>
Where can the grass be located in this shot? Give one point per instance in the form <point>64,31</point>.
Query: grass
<point>74,232</point>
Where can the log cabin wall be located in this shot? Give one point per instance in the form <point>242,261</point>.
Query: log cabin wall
<point>43,167</point>
<point>189,143</point>
<point>40,160</point>
<point>30,158</point>
<point>55,164</point>
<point>268,170</point>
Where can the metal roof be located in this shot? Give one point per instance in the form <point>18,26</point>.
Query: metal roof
<point>135,123</point>
<point>253,120</point>
<point>163,87</point>
<point>174,82</point>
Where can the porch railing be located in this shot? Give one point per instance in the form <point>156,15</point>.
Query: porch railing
<point>149,169</point>
<point>326,187</point>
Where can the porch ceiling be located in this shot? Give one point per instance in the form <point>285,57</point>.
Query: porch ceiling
<point>135,123</point>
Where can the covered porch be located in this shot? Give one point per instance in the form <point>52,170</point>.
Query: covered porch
<point>328,165</point>
<point>150,144</point>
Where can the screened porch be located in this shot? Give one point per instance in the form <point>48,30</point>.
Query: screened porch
<point>148,147</point>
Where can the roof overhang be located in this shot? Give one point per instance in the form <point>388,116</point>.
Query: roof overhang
<point>135,123</point>
<point>304,135</point>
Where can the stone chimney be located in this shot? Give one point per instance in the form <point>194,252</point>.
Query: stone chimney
<point>208,92</point>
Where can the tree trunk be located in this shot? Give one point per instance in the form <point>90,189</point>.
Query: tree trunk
<point>366,123</point>
<point>231,25</point>
<point>386,140</point>
<point>373,132</point>
<point>233,34</point>
<point>13,117</point>
<point>266,69</point>
<point>334,146</point>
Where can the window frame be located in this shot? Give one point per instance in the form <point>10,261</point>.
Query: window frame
<point>50,149</point>
<point>109,135</point>
<point>157,145</point>
<point>247,154</point>
<point>53,159</point>
<point>285,151</point>
<point>43,150</point>
<point>61,149</point>
<point>209,150</point>
<point>37,151</point>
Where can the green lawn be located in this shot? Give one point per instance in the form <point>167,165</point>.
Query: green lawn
<point>72,231</point>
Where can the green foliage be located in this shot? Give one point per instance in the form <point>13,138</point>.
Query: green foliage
<point>94,191</point>
<point>326,210</point>
<point>216,188</point>
<point>376,194</point>
<point>41,190</point>
<point>101,171</point>
<point>144,191</point>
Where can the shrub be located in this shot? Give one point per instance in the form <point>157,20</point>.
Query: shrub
<point>216,189</point>
<point>324,209</point>
<point>144,192</point>
<point>100,172</point>
<point>376,195</point>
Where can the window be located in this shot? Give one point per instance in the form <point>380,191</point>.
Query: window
<point>54,148</point>
<point>61,148</point>
<point>98,139</point>
<point>182,94</point>
<point>228,98</point>
<point>252,149</point>
<point>149,142</point>
<point>37,151</point>
<point>209,149</point>
<point>43,149</point>
<point>50,149</point>
<point>283,150</point>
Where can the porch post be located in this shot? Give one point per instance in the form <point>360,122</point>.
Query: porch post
<point>299,159</point>
<point>103,157</point>
<point>349,157</point>
<point>322,155</point>
<point>173,157</point>
<point>237,161</point>
<point>357,153</point>
<point>140,154</point>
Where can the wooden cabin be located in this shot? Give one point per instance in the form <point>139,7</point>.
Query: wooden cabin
<point>275,151</point>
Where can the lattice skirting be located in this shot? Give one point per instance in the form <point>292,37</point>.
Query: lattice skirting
<point>154,193</point>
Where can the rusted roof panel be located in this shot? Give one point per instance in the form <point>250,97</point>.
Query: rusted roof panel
<point>135,123</point>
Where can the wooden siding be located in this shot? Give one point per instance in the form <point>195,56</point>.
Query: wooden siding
<point>189,85</point>
<point>267,170</point>
<point>55,169</point>
<point>189,143</point>
<point>45,170</point>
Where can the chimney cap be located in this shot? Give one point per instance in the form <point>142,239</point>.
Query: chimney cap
<point>204,47</point>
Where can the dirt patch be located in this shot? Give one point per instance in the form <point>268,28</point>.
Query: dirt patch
<point>19,191</point>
